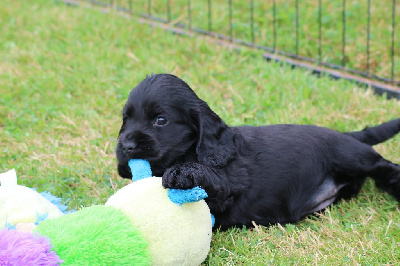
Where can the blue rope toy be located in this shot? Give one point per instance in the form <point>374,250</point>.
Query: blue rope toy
<point>141,169</point>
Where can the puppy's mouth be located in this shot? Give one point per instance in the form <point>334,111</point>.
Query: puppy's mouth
<point>149,154</point>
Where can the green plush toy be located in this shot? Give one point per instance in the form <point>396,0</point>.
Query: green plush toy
<point>97,235</point>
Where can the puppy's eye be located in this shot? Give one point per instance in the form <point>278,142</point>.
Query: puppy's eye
<point>160,121</point>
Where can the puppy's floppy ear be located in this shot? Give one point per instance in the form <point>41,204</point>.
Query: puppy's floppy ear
<point>216,143</point>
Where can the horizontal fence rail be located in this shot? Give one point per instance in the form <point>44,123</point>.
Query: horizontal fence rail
<point>358,37</point>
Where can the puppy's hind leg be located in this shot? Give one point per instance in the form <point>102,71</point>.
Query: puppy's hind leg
<point>387,177</point>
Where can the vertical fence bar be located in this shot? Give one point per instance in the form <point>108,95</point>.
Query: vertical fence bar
<point>149,8</point>
<point>319,31</point>
<point>368,32</point>
<point>189,10</point>
<point>297,27</point>
<point>393,28</point>
<point>230,20</point>
<point>343,33</point>
<point>274,24</point>
<point>169,10</point>
<point>252,20</point>
<point>209,16</point>
<point>369,68</point>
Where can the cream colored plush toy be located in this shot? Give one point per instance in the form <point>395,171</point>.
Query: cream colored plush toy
<point>177,224</point>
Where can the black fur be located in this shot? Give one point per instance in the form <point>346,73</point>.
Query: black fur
<point>270,174</point>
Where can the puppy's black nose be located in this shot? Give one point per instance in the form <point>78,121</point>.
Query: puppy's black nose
<point>128,148</point>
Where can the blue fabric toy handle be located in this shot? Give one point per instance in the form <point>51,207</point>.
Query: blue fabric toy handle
<point>140,169</point>
<point>180,196</point>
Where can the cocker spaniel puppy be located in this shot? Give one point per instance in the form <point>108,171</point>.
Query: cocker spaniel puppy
<point>268,174</point>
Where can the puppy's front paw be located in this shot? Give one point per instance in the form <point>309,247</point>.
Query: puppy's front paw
<point>182,176</point>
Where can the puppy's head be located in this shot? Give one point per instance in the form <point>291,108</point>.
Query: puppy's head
<point>165,122</point>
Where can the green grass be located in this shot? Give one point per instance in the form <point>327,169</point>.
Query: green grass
<point>65,74</point>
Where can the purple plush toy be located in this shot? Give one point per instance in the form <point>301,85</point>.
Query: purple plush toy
<point>23,248</point>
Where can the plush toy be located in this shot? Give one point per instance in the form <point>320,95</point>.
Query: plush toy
<point>178,234</point>
<point>139,225</point>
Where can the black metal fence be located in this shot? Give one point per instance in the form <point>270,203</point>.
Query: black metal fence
<point>358,37</point>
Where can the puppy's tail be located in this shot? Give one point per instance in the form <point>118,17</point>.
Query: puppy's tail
<point>377,134</point>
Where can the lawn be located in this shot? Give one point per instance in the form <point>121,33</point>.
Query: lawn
<point>66,72</point>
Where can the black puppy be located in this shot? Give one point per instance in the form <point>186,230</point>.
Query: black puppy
<point>270,174</point>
